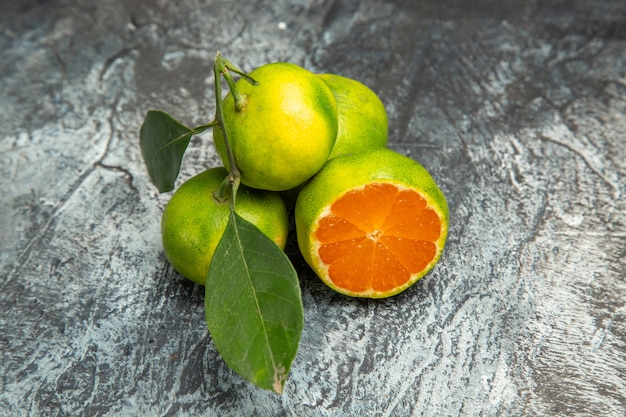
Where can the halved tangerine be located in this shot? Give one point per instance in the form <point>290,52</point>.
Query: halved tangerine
<point>371,225</point>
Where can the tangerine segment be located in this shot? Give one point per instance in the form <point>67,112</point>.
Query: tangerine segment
<point>377,237</point>
<point>367,207</point>
<point>415,255</point>
<point>426,227</point>
<point>406,204</point>
<point>354,269</point>
<point>366,266</point>
<point>332,252</point>
<point>335,229</point>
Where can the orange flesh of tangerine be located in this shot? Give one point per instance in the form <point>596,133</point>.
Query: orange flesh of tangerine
<point>377,237</point>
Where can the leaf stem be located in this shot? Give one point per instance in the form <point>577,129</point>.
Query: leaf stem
<point>200,129</point>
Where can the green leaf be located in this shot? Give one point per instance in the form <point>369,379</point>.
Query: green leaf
<point>253,305</point>
<point>163,142</point>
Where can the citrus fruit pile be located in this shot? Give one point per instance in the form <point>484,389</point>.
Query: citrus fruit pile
<point>369,221</point>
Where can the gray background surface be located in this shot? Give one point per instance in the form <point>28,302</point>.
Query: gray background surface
<point>518,109</point>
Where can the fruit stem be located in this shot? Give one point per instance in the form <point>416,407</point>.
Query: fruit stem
<point>229,65</point>
<point>230,185</point>
<point>227,190</point>
<point>223,66</point>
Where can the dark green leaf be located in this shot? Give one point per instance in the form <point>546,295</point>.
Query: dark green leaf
<point>163,142</point>
<point>253,305</point>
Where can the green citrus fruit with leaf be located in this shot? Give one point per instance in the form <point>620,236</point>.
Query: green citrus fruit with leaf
<point>285,129</point>
<point>362,119</point>
<point>194,221</point>
<point>372,224</point>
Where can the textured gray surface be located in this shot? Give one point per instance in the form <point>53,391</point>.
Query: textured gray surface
<point>518,109</point>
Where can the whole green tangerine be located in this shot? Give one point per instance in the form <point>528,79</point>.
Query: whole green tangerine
<point>363,124</point>
<point>285,131</point>
<point>193,221</point>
